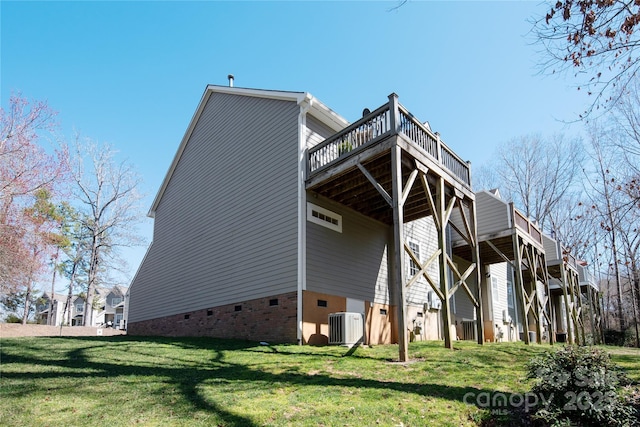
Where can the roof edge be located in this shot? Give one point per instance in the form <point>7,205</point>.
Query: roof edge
<point>327,115</point>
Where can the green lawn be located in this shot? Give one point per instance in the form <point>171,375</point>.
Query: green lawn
<point>122,381</point>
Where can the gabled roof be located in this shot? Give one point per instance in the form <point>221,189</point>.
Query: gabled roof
<point>317,108</point>
<point>56,297</point>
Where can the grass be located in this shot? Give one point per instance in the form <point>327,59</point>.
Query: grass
<point>122,381</point>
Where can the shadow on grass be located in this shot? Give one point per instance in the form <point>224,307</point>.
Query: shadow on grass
<point>188,375</point>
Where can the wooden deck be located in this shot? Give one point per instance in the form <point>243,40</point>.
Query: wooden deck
<point>353,167</point>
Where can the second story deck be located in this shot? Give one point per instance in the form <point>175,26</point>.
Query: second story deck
<point>345,166</point>
<point>498,224</point>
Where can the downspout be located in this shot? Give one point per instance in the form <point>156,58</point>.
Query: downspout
<point>305,105</point>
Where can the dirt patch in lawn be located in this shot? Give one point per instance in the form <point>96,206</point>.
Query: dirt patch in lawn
<point>11,330</point>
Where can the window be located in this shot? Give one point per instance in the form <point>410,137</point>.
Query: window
<point>115,301</point>
<point>186,316</point>
<point>413,267</point>
<point>510,300</point>
<point>324,217</point>
<point>383,312</point>
<point>79,308</point>
<point>237,308</point>
<point>322,303</point>
<point>209,312</point>
<point>273,302</point>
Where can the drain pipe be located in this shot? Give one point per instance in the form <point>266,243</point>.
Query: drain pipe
<point>305,105</point>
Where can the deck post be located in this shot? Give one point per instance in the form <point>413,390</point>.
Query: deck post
<point>442,262</point>
<point>398,251</point>
<point>475,258</point>
<point>568,305</point>
<point>519,285</point>
<point>592,322</point>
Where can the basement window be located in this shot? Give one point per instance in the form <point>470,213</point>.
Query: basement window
<point>273,302</point>
<point>209,312</point>
<point>186,317</point>
<point>322,303</point>
<point>238,308</point>
<point>324,217</point>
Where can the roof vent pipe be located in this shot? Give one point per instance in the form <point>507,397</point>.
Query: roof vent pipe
<point>230,77</point>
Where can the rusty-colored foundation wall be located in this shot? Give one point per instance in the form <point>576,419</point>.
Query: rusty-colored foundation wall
<point>380,320</point>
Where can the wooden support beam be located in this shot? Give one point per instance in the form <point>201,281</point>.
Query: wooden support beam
<point>376,184</point>
<point>398,249</point>
<point>441,213</point>
<point>475,258</point>
<point>519,287</point>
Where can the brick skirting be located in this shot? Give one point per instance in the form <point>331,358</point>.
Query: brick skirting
<point>254,320</point>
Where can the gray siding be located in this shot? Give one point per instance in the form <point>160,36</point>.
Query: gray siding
<point>492,215</point>
<point>316,131</point>
<point>424,233</point>
<point>550,248</point>
<point>353,263</point>
<point>463,307</point>
<point>226,227</point>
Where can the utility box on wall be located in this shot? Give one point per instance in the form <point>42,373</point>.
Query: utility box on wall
<point>346,328</point>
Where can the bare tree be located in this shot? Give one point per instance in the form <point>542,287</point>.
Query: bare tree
<point>607,204</point>
<point>107,191</point>
<point>538,174</point>
<point>597,39</point>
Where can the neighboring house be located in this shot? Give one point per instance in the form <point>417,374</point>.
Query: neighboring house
<point>114,304</point>
<point>551,290</point>
<point>43,309</point>
<point>78,309</point>
<point>276,212</point>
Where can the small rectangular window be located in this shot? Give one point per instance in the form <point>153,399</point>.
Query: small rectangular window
<point>324,217</point>
<point>322,303</point>
<point>413,267</point>
<point>186,316</point>
<point>238,308</point>
<point>209,312</point>
<point>273,302</point>
<point>510,299</point>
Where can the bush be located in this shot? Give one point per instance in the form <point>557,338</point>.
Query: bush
<point>12,318</point>
<point>581,386</point>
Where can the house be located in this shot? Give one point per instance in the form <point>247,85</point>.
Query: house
<point>514,276</point>
<point>78,309</point>
<point>43,309</point>
<point>114,305</point>
<point>277,212</point>
<point>551,290</point>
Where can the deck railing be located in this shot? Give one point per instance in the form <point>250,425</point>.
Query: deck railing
<point>389,119</point>
<point>521,221</point>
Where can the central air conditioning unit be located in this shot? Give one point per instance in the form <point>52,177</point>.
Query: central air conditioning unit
<point>346,328</point>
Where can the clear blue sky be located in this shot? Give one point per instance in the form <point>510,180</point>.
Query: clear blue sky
<point>131,73</point>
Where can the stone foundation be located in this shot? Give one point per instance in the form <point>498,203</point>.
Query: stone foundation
<point>271,319</point>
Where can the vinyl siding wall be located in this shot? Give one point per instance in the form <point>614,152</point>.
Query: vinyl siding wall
<point>492,215</point>
<point>424,233</point>
<point>226,227</point>
<point>353,263</point>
